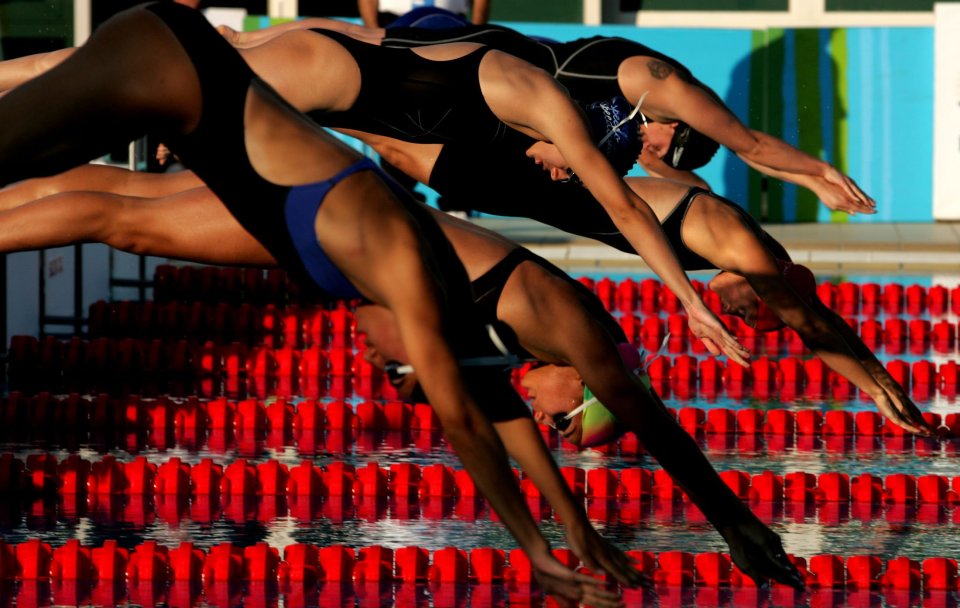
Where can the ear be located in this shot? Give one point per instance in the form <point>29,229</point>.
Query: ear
<point>539,416</point>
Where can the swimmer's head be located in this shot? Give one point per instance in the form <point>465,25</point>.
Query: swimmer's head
<point>615,132</point>
<point>561,400</point>
<point>385,348</point>
<point>738,298</point>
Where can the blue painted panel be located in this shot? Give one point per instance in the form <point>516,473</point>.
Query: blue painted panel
<point>891,120</point>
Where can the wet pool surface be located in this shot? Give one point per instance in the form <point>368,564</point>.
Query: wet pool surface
<point>887,530</point>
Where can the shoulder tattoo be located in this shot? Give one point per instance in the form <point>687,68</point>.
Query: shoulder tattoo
<point>659,69</point>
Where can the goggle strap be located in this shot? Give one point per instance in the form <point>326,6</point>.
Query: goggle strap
<point>629,117</point>
<point>580,408</point>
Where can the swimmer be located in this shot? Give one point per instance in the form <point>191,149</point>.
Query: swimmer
<point>201,96</point>
<point>683,121</point>
<point>705,231</point>
<point>475,95</point>
<point>555,320</point>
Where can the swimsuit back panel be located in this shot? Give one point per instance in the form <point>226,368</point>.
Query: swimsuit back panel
<point>408,97</point>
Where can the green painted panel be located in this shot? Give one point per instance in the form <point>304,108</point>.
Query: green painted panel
<point>29,26</point>
<point>766,114</point>
<point>807,51</point>
<point>883,5</point>
<point>555,11</point>
<point>708,5</point>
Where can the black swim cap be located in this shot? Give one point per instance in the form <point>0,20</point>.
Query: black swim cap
<point>689,149</point>
<point>616,133</point>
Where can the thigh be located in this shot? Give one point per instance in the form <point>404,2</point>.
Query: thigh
<point>193,225</point>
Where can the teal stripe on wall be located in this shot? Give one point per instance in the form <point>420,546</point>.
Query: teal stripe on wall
<point>765,196</point>
<point>790,127</point>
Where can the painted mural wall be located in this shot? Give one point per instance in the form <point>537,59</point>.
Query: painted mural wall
<point>861,98</point>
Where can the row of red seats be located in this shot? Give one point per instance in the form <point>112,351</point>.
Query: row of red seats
<point>259,418</point>
<point>285,421</point>
<point>222,284</point>
<point>42,473</point>
<point>892,336</point>
<point>295,326</point>
<point>187,594</point>
<point>101,363</point>
<point>812,376</point>
<point>107,358</point>
<point>302,563</point>
<point>309,443</point>
<point>651,296</point>
<point>139,512</point>
<point>246,323</point>
<point>212,284</point>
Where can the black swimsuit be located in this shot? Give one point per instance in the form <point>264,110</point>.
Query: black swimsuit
<point>518,188</point>
<point>488,288</point>
<point>216,151</point>
<point>587,66</point>
<point>405,96</point>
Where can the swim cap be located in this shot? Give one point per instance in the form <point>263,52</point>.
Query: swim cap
<point>802,281</point>
<point>615,132</point>
<point>689,149</point>
<point>598,424</point>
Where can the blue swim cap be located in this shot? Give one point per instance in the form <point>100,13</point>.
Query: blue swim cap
<point>615,131</point>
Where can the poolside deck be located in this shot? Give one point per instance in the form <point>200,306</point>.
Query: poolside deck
<point>894,247</point>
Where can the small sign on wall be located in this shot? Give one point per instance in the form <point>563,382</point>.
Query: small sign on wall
<point>946,112</point>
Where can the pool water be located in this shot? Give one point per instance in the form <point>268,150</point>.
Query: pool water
<point>886,529</point>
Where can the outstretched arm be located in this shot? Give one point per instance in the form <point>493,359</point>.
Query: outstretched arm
<point>898,398</point>
<point>526,446</point>
<point>429,322</point>
<point>831,193</point>
<point>753,261</point>
<point>369,10</point>
<point>558,120</point>
<point>655,167</point>
<point>481,12</point>
<point>770,155</point>
<point>584,344</point>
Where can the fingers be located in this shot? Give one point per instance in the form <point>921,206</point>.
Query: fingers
<point>913,414</point>
<point>711,346</point>
<point>734,350</point>
<point>783,570</point>
<point>622,568</point>
<point>904,421</point>
<point>601,598</point>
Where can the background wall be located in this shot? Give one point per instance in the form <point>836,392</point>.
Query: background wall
<point>861,98</point>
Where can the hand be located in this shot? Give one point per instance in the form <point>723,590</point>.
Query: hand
<point>232,36</point>
<point>570,588</point>
<point>757,551</point>
<point>840,193</point>
<point>602,557</point>
<point>706,326</point>
<point>163,154</point>
<point>900,409</point>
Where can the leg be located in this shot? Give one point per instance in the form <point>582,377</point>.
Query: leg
<point>179,226</point>
<point>14,72</point>
<point>98,178</point>
<point>132,76</point>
